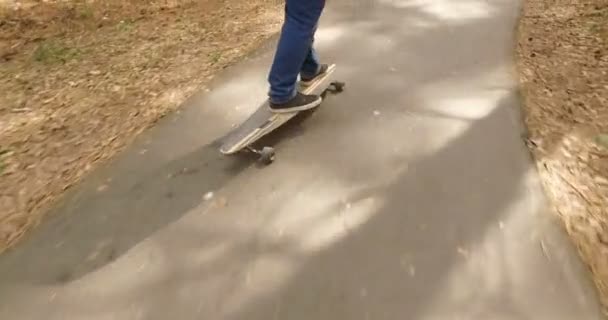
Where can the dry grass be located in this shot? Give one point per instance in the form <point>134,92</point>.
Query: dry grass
<point>563,61</point>
<point>80,79</point>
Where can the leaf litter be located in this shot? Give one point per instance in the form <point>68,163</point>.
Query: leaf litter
<point>563,66</point>
<point>81,79</point>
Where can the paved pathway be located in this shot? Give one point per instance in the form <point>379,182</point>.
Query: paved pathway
<point>408,196</point>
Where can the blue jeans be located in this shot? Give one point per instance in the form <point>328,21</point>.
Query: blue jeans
<point>295,54</point>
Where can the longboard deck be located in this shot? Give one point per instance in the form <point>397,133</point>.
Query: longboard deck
<point>264,121</point>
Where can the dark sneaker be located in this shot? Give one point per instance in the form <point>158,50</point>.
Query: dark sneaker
<point>308,81</point>
<point>299,103</point>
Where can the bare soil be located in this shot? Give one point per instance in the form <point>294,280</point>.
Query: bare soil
<point>80,79</point>
<point>563,63</point>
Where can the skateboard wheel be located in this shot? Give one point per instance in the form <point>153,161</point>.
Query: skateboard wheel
<point>267,155</point>
<point>338,86</point>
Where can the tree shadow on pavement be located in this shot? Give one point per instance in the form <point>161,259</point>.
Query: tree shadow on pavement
<point>107,224</point>
<point>364,275</point>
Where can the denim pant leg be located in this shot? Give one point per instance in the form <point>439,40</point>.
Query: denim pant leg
<point>295,43</point>
<point>311,64</point>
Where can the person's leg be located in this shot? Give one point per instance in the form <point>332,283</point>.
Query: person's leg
<point>301,18</point>
<point>312,68</point>
<point>311,64</point>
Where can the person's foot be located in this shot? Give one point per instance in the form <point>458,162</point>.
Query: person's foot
<point>298,103</point>
<point>308,81</point>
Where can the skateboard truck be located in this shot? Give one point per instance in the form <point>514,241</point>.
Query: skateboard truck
<point>266,154</point>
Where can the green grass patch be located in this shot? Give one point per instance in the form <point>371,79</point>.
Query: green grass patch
<point>602,140</point>
<point>2,163</point>
<point>85,12</point>
<point>215,57</point>
<point>51,52</point>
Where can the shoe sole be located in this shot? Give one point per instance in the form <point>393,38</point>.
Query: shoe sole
<point>309,106</point>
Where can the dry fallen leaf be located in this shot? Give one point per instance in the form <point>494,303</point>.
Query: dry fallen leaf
<point>208,196</point>
<point>222,202</point>
<point>544,249</point>
<point>463,252</point>
<point>83,103</point>
<point>564,102</point>
<point>412,270</point>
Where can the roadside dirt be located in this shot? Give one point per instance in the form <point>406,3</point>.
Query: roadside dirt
<point>563,63</point>
<point>80,79</point>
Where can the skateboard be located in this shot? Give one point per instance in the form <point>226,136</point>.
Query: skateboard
<point>264,121</point>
